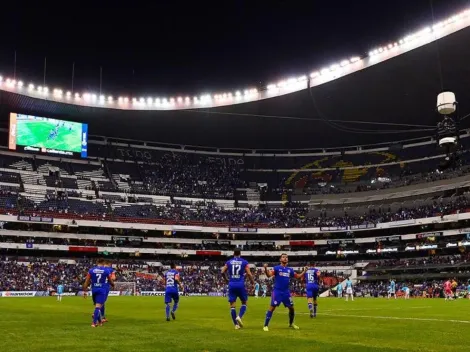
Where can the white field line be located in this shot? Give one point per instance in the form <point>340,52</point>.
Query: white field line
<point>368,309</point>
<point>392,318</point>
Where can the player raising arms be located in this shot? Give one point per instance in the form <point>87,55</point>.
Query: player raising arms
<point>281,294</point>
<point>172,281</point>
<point>312,280</point>
<point>100,279</point>
<point>237,268</point>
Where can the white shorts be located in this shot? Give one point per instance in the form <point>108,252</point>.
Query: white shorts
<point>256,292</point>
<point>349,291</point>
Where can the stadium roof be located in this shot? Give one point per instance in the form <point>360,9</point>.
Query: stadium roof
<point>386,96</point>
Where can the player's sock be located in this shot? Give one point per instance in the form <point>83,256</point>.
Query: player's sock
<point>233,312</point>
<point>315,309</point>
<point>96,315</point>
<point>291,317</point>
<point>167,310</point>
<point>310,307</point>
<point>175,307</point>
<point>102,312</point>
<point>269,315</point>
<point>242,311</point>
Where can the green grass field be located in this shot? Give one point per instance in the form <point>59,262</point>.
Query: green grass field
<point>204,324</point>
<point>35,133</point>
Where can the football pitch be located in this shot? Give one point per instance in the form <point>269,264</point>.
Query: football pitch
<point>204,324</point>
<point>36,133</point>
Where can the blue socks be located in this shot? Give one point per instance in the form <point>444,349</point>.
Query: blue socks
<point>242,310</point>
<point>102,312</point>
<point>97,315</point>
<point>269,315</point>
<point>233,312</point>
<point>167,309</point>
<point>175,307</point>
<point>310,307</point>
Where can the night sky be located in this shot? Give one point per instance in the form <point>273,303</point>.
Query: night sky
<point>175,47</point>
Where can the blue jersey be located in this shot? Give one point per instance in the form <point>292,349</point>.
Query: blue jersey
<point>405,289</point>
<point>468,288</point>
<point>60,289</point>
<point>348,283</point>
<point>236,271</point>
<point>339,288</point>
<point>257,287</point>
<point>171,279</point>
<point>312,277</point>
<point>99,276</point>
<point>282,275</point>
<point>264,287</point>
<point>392,285</point>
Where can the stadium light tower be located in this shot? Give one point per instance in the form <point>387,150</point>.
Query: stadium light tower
<point>448,133</point>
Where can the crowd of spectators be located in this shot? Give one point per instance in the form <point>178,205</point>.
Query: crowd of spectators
<point>43,275</point>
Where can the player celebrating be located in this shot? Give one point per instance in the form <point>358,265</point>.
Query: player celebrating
<point>172,281</point>
<point>265,290</point>
<point>339,290</point>
<point>60,292</point>
<point>100,278</point>
<point>392,289</point>
<point>349,290</point>
<point>406,291</point>
<point>281,294</point>
<point>256,290</point>
<point>312,279</point>
<point>236,268</point>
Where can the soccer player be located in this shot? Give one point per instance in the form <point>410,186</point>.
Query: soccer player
<point>339,290</point>
<point>349,289</point>
<point>265,290</point>
<point>312,280</point>
<point>100,278</point>
<point>60,292</point>
<point>172,281</point>
<point>468,289</point>
<point>237,268</point>
<point>448,290</point>
<point>281,294</point>
<point>392,289</point>
<point>406,290</point>
<point>454,285</point>
<point>107,264</point>
<point>256,290</point>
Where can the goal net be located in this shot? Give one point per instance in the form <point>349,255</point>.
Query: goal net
<point>126,288</point>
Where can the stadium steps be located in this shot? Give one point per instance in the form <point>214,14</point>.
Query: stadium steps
<point>120,184</point>
<point>46,168</point>
<point>22,165</point>
<point>33,179</point>
<point>252,195</point>
<point>91,174</point>
<point>84,184</point>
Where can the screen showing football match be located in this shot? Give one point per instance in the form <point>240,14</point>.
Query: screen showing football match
<point>48,136</point>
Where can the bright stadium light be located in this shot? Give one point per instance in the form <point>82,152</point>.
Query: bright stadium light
<point>172,101</point>
<point>292,81</point>
<point>13,83</point>
<point>187,99</point>
<point>77,96</point>
<point>102,98</point>
<point>120,100</point>
<point>93,97</point>
<point>126,100</point>
<point>1,78</point>
<point>68,94</point>
<point>324,71</point>
<point>157,101</point>
<point>355,59</point>
<point>314,74</point>
<point>149,101</point>
<point>344,63</point>
<point>31,86</point>
<point>134,100</point>
<point>254,91</point>
<point>45,90</point>
<point>20,84</point>
<point>110,99</point>
<point>142,100</point>
<point>39,89</point>
<point>271,86</point>
<point>179,100</point>
<point>237,93</point>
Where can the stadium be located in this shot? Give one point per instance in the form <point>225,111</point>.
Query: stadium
<point>365,185</point>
